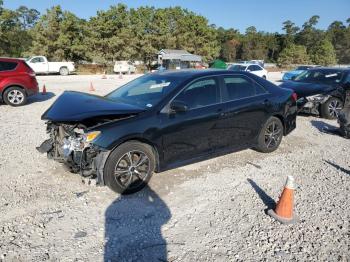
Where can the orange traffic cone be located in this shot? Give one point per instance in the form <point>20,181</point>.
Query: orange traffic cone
<point>104,75</point>
<point>44,90</point>
<point>91,87</point>
<point>284,208</point>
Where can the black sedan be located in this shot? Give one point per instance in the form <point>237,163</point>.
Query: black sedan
<point>320,90</point>
<point>163,120</point>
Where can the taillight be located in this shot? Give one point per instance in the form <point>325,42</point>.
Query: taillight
<point>294,97</point>
<point>32,74</point>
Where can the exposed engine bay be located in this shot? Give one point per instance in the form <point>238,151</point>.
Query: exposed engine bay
<point>311,104</point>
<point>71,144</point>
<point>67,144</point>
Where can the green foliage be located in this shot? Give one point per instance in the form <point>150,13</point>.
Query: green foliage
<point>339,35</point>
<point>293,54</point>
<point>120,33</point>
<point>14,36</point>
<point>59,36</point>
<point>323,53</point>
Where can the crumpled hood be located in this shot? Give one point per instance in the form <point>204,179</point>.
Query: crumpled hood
<point>304,89</point>
<point>74,106</point>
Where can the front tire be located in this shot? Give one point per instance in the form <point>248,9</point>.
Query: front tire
<point>129,167</point>
<point>270,136</point>
<point>64,71</point>
<point>331,108</point>
<point>15,96</point>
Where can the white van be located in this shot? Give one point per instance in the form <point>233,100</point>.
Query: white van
<point>124,67</point>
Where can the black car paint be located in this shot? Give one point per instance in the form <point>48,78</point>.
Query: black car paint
<point>303,89</point>
<point>306,88</point>
<point>179,137</point>
<point>76,107</point>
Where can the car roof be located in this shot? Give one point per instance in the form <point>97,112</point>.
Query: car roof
<point>9,59</point>
<point>247,64</point>
<point>188,73</point>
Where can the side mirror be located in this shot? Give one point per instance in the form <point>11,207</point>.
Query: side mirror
<point>293,77</point>
<point>248,70</point>
<point>178,106</point>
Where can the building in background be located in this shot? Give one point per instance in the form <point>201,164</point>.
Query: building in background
<point>177,59</point>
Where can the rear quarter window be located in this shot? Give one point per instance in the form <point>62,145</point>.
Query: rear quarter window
<point>239,87</point>
<point>7,66</point>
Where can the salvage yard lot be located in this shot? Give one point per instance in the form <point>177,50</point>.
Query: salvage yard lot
<point>212,210</point>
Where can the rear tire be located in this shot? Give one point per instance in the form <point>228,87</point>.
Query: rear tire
<point>64,71</point>
<point>270,136</point>
<point>129,167</point>
<point>15,96</point>
<point>330,108</point>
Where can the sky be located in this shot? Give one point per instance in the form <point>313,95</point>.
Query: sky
<point>265,15</point>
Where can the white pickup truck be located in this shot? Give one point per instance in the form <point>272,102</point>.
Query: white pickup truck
<point>40,65</point>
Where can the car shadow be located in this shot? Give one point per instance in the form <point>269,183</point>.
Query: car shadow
<point>346,171</point>
<point>325,128</point>
<point>133,228</point>
<point>40,98</point>
<point>267,200</point>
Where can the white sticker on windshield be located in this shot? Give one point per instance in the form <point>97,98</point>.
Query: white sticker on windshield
<point>160,85</point>
<point>149,105</point>
<point>331,75</point>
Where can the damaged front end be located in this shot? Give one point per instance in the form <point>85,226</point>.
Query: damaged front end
<point>73,123</point>
<point>311,104</point>
<point>72,145</point>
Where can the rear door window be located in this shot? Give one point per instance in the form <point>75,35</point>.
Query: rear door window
<point>7,66</point>
<point>239,87</point>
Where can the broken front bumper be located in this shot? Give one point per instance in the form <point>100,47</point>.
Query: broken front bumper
<point>88,162</point>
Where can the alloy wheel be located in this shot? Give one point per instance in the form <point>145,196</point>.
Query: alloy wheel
<point>15,97</point>
<point>132,169</point>
<point>272,135</point>
<point>334,107</point>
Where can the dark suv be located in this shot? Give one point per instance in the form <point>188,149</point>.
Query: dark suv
<point>17,81</point>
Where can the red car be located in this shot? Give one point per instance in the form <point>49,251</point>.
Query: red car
<point>17,81</point>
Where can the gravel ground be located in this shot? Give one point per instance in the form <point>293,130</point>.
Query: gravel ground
<point>209,211</point>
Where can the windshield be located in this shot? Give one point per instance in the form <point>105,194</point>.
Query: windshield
<point>323,76</point>
<point>238,67</point>
<point>146,91</point>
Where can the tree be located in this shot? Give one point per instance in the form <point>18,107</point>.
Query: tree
<point>323,53</point>
<point>14,36</point>
<point>110,37</point>
<point>293,54</point>
<point>229,43</point>
<point>339,35</point>
<point>291,30</point>
<point>309,35</point>
<point>28,17</point>
<point>254,45</point>
<point>59,36</point>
